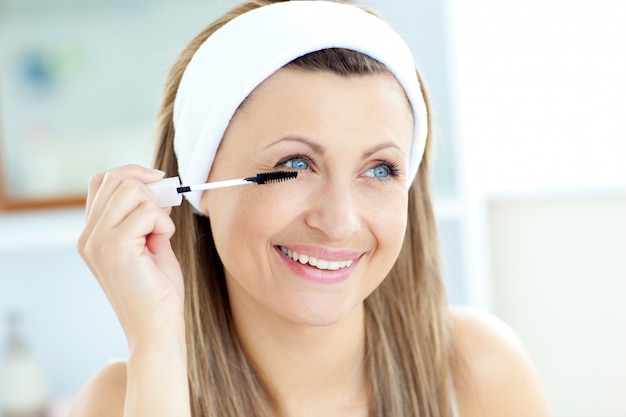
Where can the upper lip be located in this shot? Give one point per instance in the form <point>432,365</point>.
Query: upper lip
<point>329,254</point>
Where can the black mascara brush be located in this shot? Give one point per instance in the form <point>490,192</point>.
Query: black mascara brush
<point>169,191</point>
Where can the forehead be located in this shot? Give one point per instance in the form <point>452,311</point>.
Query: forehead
<point>316,88</point>
<point>325,107</point>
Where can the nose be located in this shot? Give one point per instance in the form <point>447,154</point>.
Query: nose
<point>335,212</point>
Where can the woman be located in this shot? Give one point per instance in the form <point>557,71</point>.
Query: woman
<point>319,296</point>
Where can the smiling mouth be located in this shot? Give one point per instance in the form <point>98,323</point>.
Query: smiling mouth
<point>315,262</point>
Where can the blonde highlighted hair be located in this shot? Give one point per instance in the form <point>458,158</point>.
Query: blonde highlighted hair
<point>407,348</point>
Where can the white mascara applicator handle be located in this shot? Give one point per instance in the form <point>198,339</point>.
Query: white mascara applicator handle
<point>166,191</point>
<point>169,192</point>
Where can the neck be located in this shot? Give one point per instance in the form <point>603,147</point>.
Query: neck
<point>307,370</point>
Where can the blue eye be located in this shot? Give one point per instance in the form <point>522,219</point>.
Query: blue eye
<point>379,171</point>
<point>383,171</point>
<point>297,163</point>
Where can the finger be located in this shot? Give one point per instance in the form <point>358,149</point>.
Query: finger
<point>99,239</point>
<point>116,196</point>
<point>108,248</point>
<point>105,185</point>
<point>147,224</point>
<point>94,185</point>
<point>129,196</point>
<point>156,240</point>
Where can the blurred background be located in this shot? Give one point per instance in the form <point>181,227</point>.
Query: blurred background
<point>530,177</point>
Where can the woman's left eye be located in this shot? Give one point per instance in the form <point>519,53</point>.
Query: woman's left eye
<point>381,171</point>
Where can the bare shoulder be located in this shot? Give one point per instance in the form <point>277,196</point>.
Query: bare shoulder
<point>104,394</point>
<point>493,375</point>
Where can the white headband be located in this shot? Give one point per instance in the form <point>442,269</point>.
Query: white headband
<point>239,56</point>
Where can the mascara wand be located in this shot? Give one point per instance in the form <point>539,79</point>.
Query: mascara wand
<point>170,192</point>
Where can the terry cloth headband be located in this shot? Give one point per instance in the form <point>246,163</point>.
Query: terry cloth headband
<point>239,56</point>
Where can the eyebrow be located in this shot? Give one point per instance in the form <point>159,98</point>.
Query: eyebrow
<point>317,148</point>
<point>380,147</point>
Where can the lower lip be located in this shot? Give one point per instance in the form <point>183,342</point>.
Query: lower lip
<point>322,276</point>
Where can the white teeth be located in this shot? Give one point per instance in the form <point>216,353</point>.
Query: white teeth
<point>333,265</point>
<point>318,263</point>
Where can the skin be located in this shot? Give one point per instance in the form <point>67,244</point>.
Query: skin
<point>303,333</point>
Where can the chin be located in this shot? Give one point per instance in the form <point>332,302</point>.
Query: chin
<point>325,316</point>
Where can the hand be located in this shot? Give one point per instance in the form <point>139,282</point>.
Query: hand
<point>126,245</point>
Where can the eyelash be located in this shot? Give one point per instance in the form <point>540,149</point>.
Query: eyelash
<point>304,157</point>
<point>392,167</point>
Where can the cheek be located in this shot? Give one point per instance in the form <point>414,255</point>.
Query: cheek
<point>244,219</point>
<point>388,223</point>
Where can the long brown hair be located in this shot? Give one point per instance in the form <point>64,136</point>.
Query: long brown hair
<point>406,324</point>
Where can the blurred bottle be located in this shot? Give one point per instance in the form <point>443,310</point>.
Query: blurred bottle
<point>23,385</point>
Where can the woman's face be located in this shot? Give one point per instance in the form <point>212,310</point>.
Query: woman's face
<point>310,250</point>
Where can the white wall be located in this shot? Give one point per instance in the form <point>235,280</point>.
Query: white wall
<point>543,92</point>
<point>543,95</point>
<point>559,279</point>
<point>65,320</point>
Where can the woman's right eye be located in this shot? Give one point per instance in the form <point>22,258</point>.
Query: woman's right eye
<point>297,163</point>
